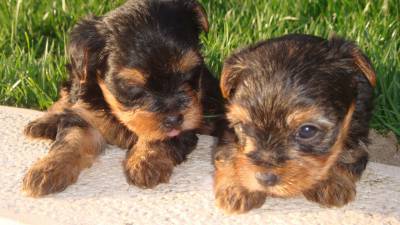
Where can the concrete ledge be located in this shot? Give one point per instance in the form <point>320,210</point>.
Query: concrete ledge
<point>102,196</point>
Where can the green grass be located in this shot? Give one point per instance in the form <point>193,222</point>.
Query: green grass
<point>33,35</point>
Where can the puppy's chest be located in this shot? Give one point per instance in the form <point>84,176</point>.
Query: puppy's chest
<point>112,130</point>
<point>116,133</point>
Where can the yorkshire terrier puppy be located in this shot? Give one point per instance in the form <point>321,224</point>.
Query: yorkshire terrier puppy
<point>298,108</point>
<point>136,80</point>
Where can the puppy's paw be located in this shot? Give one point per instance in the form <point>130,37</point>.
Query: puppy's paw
<point>332,194</point>
<point>49,175</point>
<point>236,199</point>
<point>147,172</point>
<point>44,127</point>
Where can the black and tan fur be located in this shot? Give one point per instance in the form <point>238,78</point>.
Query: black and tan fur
<point>298,108</point>
<point>137,80</point>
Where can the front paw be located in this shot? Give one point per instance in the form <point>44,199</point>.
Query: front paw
<point>332,194</point>
<point>49,175</point>
<point>44,127</point>
<point>236,199</point>
<point>147,172</point>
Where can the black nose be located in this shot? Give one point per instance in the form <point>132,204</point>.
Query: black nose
<point>267,179</point>
<point>173,121</point>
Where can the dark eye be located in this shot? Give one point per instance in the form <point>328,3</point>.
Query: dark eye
<point>135,92</point>
<point>131,95</point>
<point>307,131</point>
<point>128,89</point>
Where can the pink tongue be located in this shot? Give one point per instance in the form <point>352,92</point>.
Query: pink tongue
<point>173,133</point>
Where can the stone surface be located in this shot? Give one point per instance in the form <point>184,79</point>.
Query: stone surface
<point>102,196</point>
<point>384,148</point>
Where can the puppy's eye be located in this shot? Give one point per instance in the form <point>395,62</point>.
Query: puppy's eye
<point>134,93</point>
<point>307,131</point>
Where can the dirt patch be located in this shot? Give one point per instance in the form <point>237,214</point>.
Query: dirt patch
<point>384,148</point>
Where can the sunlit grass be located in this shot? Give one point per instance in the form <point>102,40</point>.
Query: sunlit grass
<point>33,35</point>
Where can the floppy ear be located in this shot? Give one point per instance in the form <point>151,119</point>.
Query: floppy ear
<point>86,49</point>
<point>230,77</point>
<point>201,16</point>
<point>364,65</point>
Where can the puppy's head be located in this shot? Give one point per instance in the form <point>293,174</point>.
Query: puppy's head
<point>145,57</point>
<point>292,103</point>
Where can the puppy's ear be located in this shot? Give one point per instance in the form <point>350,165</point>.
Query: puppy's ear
<point>230,77</point>
<point>86,49</point>
<point>364,65</point>
<point>201,15</point>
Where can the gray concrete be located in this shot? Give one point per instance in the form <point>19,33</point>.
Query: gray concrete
<point>102,196</point>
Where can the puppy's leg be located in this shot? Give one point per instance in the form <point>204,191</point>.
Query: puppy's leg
<point>76,145</point>
<point>337,191</point>
<point>339,188</point>
<point>149,163</point>
<point>353,162</point>
<point>44,127</point>
<point>232,196</point>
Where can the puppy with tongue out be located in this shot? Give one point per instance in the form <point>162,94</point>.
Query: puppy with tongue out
<point>137,80</point>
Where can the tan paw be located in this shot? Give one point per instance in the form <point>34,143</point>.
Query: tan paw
<point>332,193</point>
<point>147,172</point>
<point>44,127</point>
<point>49,175</point>
<point>236,199</point>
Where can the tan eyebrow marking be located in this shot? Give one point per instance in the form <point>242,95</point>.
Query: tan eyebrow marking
<point>303,115</point>
<point>132,75</point>
<point>188,61</point>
